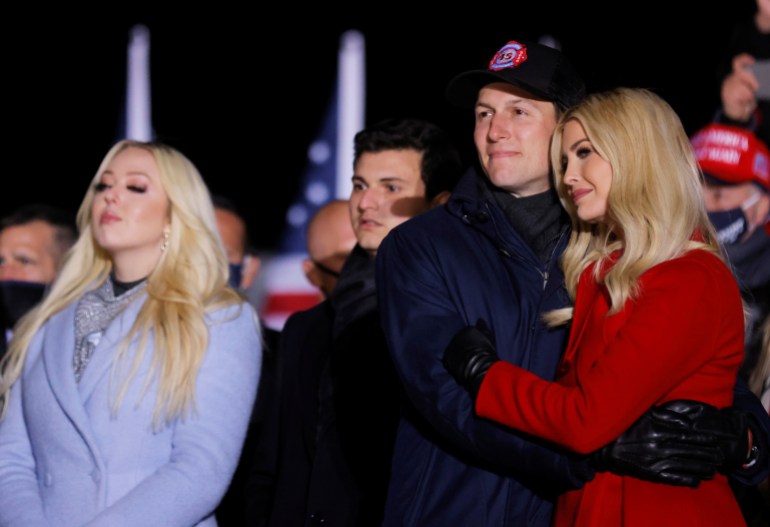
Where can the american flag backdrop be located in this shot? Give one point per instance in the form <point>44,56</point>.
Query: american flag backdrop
<point>327,177</point>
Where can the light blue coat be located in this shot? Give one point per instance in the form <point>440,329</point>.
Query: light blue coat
<point>65,460</point>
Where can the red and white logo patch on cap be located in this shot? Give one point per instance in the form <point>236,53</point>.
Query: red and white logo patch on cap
<point>509,56</point>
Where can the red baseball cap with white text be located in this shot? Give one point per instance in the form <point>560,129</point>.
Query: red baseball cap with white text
<point>730,155</point>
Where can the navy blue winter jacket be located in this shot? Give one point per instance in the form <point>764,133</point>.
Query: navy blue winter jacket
<point>436,274</point>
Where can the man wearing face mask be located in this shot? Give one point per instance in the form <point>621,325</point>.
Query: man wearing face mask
<point>33,241</point>
<point>736,166</point>
<point>232,229</point>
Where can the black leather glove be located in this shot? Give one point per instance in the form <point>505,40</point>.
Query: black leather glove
<point>681,442</point>
<point>728,426</point>
<point>676,443</point>
<point>469,355</point>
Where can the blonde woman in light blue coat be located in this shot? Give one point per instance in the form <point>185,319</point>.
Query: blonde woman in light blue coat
<point>126,393</point>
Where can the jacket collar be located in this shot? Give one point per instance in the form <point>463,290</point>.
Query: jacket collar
<point>467,199</point>
<point>354,296</point>
<point>58,349</point>
<point>473,202</point>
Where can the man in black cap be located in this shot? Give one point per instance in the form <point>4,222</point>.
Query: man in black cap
<point>492,253</point>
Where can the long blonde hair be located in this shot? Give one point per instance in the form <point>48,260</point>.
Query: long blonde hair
<point>655,209</point>
<point>189,280</point>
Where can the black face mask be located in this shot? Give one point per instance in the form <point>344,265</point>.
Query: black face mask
<point>236,274</point>
<point>16,298</point>
<point>729,224</point>
<point>732,224</point>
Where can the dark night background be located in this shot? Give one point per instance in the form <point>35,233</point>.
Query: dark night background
<point>241,91</point>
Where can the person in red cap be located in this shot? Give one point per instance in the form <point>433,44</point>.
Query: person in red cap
<point>736,165</point>
<point>736,169</point>
<point>736,183</point>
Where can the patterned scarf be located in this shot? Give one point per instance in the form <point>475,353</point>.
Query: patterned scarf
<point>95,311</point>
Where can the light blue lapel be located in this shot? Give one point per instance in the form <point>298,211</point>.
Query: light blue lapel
<point>58,350</point>
<point>100,363</point>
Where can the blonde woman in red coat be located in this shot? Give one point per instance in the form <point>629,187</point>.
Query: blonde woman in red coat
<point>657,317</point>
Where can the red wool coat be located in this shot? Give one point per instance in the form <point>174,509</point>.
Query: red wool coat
<point>682,338</point>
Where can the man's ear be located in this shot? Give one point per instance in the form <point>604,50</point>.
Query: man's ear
<point>251,265</point>
<point>311,272</point>
<point>441,198</point>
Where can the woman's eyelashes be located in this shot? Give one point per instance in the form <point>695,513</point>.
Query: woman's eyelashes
<point>583,151</point>
<point>139,189</point>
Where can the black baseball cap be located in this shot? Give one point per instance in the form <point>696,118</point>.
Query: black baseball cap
<point>541,70</point>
